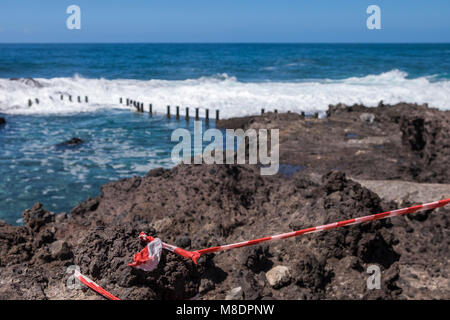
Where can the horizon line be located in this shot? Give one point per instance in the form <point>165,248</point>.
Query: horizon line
<point>229,42</point>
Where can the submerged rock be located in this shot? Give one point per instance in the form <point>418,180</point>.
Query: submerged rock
<point>72,142</point>
<point>2,121</point>
<point>29,82</point>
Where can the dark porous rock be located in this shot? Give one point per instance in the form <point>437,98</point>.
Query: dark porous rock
<point>206,285</point>
<point>183,242</point>
<point>106,252</point>
<point>60,250</point>
<point>257,258</point>
<point>37,217</point>
<point>309,272</point>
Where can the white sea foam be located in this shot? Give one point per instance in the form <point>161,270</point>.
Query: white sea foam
<point>230,96</point>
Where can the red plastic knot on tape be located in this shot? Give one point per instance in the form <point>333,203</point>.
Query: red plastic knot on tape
<point>148,258</point>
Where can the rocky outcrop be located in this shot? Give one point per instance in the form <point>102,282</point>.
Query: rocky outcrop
<point>404,141</point>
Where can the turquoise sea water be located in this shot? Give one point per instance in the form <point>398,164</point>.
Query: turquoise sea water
<point>237,79</point>
<point>117,144</point>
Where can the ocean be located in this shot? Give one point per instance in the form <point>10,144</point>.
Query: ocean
<point>236,79</point>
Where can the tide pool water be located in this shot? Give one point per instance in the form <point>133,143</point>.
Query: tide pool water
<point>237,79</point>
<point>34,166</point>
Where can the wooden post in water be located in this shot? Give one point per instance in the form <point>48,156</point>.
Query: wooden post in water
<point>187,114</point>
<point>120,100</point>
<point>86,99</point>
<point>196,114</point>
<point>168,112</point>
<point>142,107</point>
<point>70,98</point>
<point>30,103</point>
<point>79,99</point>
<point>150,109</point>
<point>217,115</point>
<point>128,102</point>
<point>207,116</point>
<point>178,113</point>
<point>37,100</point>
<point>262,111</point>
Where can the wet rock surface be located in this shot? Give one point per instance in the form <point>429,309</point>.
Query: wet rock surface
<point>29,82</point>
<point>197,206</point>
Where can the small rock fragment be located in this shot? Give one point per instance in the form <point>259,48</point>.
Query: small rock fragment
<point>367,117</point>
<point>278,276</point>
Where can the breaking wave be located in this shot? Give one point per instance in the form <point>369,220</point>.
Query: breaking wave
<point>231,96</point>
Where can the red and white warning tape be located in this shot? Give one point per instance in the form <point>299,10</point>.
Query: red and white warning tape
<point>334,225</point>
<point>91,284</point>
<point>194,255</point>
<point>148,258</point>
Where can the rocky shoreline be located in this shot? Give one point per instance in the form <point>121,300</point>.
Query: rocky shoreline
<point>356,161</point>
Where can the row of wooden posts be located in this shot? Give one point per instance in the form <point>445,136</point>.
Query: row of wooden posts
<point>36,100</point>
<point>140,108</point>
<point>86,99</point>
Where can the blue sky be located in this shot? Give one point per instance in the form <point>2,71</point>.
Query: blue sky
<point>225,21</point>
